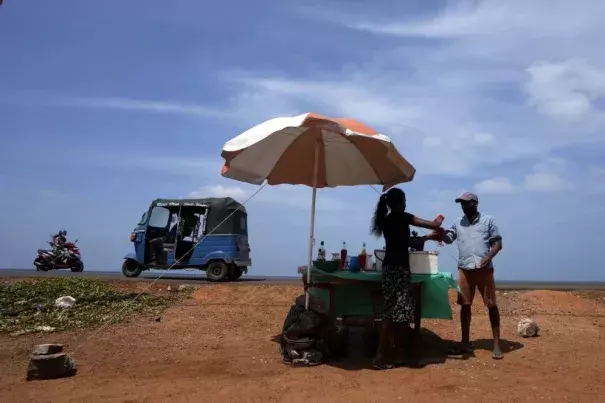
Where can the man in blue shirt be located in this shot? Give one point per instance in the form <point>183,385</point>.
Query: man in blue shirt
<point>479,241</point>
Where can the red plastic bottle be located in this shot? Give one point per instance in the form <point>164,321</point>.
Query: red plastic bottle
<point>363,258</point>
<point>440,218</point>
<point>343,255</point>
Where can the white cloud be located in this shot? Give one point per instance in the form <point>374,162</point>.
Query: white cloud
<point>462,19</point>
<point>483,139</point>
<point>551,165</point>
<point>298,197</point>
<point>112,103</point>
<point>547,176</point>
<point>351,98</point>
<point>566,90</point>
<point>203,166</point>
<point>234,192</point>
<point>544,182</point>
<point>436,132</point>
<point>245,108</point>
<point>497,185</point>
<point>455,106</point>
<point>471,77</point>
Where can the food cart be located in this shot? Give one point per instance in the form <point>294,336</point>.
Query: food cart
<point>355,298</point>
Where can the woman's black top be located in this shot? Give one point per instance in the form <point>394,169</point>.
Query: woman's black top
<point>396,234</point>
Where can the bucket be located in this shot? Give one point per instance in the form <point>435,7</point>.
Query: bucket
<point>354,264</point>
<point>379,255</point>
<point>424,262</point>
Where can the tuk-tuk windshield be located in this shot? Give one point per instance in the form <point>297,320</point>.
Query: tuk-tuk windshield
<point>159,217</point>
<point>143,219</point>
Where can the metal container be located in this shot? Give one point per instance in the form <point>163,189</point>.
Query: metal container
<point>426,262</point>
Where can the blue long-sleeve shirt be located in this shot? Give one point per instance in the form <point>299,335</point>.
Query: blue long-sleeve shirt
<point>474,239</point>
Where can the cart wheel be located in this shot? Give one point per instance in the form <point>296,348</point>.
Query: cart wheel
<point>217,271</point>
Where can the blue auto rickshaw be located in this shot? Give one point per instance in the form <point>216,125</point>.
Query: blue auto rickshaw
<point>206,234</point>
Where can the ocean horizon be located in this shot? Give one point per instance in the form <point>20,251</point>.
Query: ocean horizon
<point>195,274</point>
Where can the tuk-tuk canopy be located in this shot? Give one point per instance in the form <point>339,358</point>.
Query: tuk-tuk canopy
<point>218,209</point>
<point>216,203</point>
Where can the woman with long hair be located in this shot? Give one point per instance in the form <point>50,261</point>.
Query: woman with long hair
<point>393,222</point>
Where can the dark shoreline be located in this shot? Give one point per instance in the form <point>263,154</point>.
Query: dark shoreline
<point>194,277</point>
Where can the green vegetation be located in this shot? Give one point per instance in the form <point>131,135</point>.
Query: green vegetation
<point>29,306</point>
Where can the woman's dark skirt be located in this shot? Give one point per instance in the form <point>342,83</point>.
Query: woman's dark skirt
<point>397,294</point>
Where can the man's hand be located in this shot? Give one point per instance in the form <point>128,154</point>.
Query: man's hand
<point>436,235</point>
<point>496,247</point>
<point>485,262</point>
<point>430,237</point>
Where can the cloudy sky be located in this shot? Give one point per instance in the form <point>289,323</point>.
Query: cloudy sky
<point>105,106</point>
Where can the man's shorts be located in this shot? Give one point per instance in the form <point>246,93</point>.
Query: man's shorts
<point>483,279</point>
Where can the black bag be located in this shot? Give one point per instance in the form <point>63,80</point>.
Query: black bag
<point>304,337</point>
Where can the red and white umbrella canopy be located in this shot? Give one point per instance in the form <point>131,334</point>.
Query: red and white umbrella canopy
<point>283,151</point>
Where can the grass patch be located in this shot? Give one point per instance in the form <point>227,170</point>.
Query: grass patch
<point>28,306</point>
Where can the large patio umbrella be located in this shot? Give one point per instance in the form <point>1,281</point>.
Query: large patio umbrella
<point>317,151</point>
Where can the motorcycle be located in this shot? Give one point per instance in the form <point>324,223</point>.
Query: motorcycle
<point>66,258</point>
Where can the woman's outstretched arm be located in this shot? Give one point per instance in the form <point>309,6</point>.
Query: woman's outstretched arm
<point>419,222</point>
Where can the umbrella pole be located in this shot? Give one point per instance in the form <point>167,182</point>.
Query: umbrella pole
<point>312,226</point>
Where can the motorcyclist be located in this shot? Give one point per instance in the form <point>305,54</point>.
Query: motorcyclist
<point>58,243</point>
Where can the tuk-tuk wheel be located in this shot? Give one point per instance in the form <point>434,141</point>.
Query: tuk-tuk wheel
<point>130,268</point>
<point>217,271</point>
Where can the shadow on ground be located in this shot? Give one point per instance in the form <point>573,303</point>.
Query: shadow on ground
<point>433,350</point>
<point>507,346</point>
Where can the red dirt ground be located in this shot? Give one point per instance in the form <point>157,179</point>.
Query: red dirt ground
<point>211,349</point>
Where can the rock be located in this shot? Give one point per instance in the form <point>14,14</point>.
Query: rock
<point>50,366</point>
<point>185,287</point>
<point>527,328</point>
<point>44,329</point>
<point>47,349</point>
<point>65,302</point>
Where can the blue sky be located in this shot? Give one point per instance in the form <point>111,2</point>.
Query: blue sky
<point>105,106</point>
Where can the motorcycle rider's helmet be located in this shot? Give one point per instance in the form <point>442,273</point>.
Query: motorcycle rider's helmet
<point>63,233</point>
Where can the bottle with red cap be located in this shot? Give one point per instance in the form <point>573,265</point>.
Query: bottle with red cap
<point>363,257</point>
<point>440,231</point>
<point>343,256</point>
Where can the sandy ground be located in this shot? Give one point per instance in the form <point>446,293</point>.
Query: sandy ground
<point>219,347</point>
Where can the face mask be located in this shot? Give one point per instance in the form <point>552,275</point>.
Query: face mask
<point>468,208</point>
